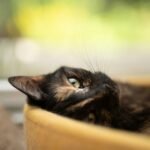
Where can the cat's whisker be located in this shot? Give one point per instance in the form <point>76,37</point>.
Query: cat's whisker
<point>89,62</point>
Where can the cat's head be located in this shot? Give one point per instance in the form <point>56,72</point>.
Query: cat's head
<point>65,84</point>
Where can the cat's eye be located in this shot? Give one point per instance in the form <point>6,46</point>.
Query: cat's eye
<point>74,82</point>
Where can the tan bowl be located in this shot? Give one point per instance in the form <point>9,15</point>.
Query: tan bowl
<point>48,131</point>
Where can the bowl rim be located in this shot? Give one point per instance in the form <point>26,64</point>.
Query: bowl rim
<point>48,120</point>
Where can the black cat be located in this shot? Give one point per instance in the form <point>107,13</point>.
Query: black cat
<point>88,96</point>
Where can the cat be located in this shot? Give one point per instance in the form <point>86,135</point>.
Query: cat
<point>88,96</point>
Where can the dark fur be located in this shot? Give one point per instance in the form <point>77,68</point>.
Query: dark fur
<point>100,99</point>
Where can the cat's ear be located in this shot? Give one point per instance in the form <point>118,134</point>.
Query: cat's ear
<point>31,86</point>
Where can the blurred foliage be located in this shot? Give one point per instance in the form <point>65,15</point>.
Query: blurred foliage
<point>36,33</point>
<point>77,20</point>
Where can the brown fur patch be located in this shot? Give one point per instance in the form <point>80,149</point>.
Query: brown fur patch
<point>80,104</point>
<point>37,78</point>
<point>63,92</point>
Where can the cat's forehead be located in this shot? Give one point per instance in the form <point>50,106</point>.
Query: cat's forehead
<point>74,72</point>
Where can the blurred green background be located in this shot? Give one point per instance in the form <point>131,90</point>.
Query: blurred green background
<point>37,36</point>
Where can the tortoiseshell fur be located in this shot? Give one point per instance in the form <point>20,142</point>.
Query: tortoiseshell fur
<point>99,100</point>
